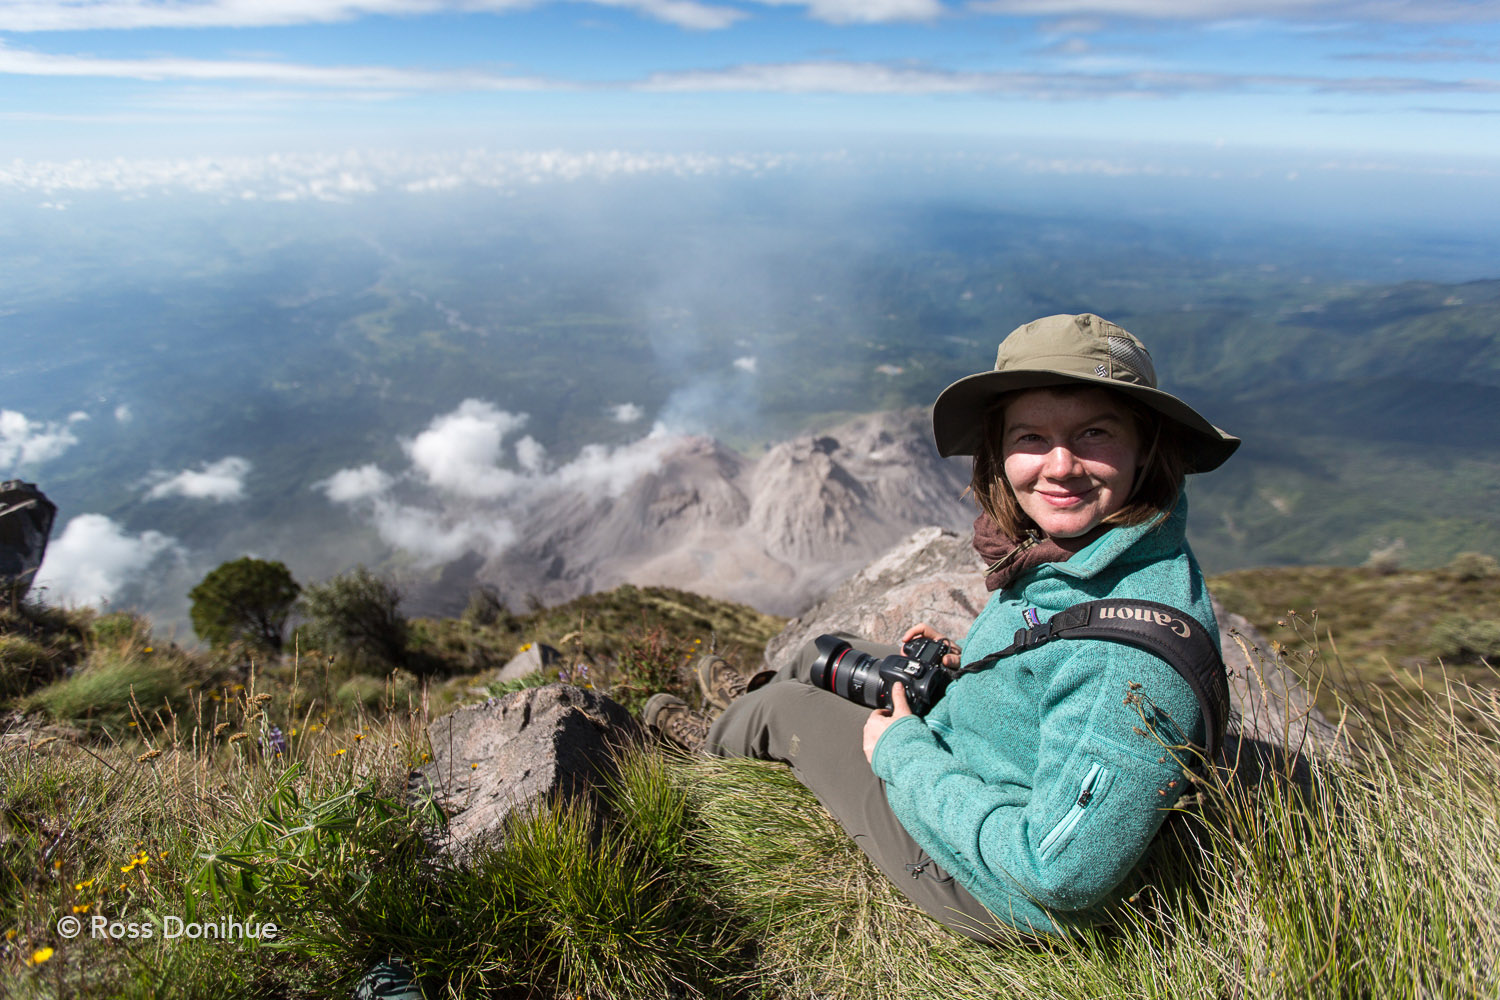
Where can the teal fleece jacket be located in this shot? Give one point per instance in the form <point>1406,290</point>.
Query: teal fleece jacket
<point>1039,782</point>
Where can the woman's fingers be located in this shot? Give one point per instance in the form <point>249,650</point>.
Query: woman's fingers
<point>899,705</point>
<point>926,631</point>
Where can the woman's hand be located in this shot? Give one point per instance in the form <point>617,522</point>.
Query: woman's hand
<point>881,718</point>
<point>926,631</point>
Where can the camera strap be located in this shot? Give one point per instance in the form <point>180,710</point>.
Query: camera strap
<point>1166,632</point>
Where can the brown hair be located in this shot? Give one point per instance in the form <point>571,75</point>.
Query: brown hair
<point>1156,487</point>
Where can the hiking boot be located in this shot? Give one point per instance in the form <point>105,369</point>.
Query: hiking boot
<point>670,716</point>
<point>719,682</point>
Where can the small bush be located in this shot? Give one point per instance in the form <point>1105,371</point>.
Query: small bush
<point>1468,567</point>
<point>244,601</point>
<point>1458,638</point>
<point>650,660</point>
<point>356,616</point>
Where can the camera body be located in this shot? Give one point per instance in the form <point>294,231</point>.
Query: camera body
<point>865,680</point>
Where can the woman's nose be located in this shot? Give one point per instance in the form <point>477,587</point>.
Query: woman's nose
<point>1061,463</point>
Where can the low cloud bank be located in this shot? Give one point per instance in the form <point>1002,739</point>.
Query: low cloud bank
<point>95,559</point>
<point>25,442</point>
<point>468,489</point>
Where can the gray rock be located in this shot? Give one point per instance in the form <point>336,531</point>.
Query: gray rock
<point>934,576</point>
<point>537,656</point>
<point>505,757</point>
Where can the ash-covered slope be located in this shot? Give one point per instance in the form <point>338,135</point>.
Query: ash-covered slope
<point>774,533</point>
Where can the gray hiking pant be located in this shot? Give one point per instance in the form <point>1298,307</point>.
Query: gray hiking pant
<point>821,736</point>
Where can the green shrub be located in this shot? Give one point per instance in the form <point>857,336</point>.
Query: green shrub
<point>1468,567</point>
<point>356,616</point>
<point>244,601</point>
<point>1459,638</point>
<point>649,660</point>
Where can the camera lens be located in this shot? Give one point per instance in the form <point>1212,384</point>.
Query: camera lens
<point>846,671</point>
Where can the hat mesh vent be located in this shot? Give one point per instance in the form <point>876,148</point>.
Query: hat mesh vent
<point>1125,353</point>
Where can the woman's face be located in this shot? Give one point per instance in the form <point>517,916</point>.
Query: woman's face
<point>1070,457</point>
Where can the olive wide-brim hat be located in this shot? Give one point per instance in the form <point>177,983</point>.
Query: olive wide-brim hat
<point>1064,350</point>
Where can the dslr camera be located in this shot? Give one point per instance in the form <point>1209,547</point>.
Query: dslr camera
<point>865,680</point>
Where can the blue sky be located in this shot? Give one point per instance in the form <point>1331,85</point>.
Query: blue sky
<point>1411,79</point>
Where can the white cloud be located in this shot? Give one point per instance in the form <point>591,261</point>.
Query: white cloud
<point>866,78</point>
<point>25,62</point>
<point>626,413</point>
<point>530,455</point>
<point>459,452</point>
<point>46,15</point>
<point>94,558</point>
<point>436,538</point>
<point>93,15</point>
<point>123,414</point>
<point>219,481</point>
<point>32,442</point>
<point>475,501</point>
<point>345,176</point>
<point>1323,11</point>
<point>351,485</point>
<point>746,364</point>
<point>865,11</point>
<point>611,470</point>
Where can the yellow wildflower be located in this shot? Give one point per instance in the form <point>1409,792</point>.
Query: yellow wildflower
<point>340,752</point>
<point>10,935</point>
<point>39,956</point>
<point>81,908</point>
<point>80,886</point>
<point>148,649</point>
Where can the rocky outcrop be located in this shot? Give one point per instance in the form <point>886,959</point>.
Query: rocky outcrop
<point>934,576</point>
<point>774,532</point>
<point>509,755</point>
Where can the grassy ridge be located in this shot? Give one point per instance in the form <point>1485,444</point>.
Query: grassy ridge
<point>1385,633</point>
<point>264,797</point>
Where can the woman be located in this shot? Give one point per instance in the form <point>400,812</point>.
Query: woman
<point>1033,787</point>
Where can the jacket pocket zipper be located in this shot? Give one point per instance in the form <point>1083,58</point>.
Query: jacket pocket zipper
<point>1092,788</point>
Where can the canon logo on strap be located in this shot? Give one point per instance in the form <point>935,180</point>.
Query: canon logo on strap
<point>1150,616</point>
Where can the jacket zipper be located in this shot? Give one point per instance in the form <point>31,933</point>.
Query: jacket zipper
<point>1088,790</point>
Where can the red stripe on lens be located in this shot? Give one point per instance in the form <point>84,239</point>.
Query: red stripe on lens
<point>833,674</point>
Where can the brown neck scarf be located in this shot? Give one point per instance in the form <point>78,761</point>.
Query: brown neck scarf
<point>1007,558</point>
